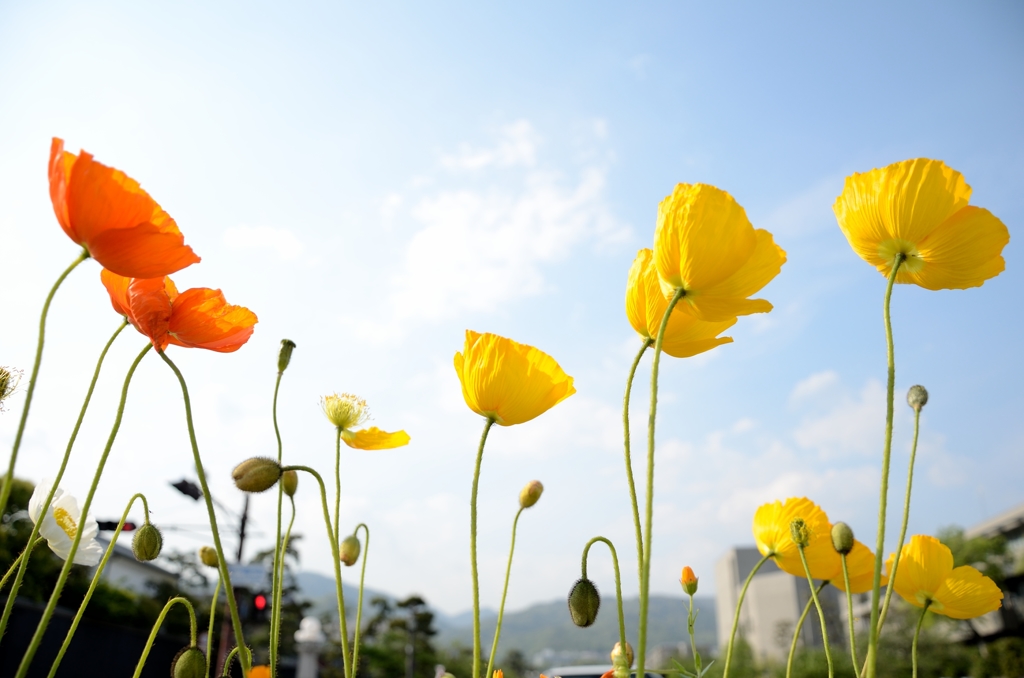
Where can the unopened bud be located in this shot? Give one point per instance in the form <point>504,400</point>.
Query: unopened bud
<point>257,474</point>
<point>530,494</point>
<point>349,550</point>
<point>801,533</point>
<point>689,581</point>
<point>584,601</point>
<point>917,397</point>
<point>620,658</point>
<point>9,379</point>
<point>208,556</point>
<point>190,662</point>
<point>285,356</point>
<point>842,538</point>
<point>290,482</point>
<point>147,543</point>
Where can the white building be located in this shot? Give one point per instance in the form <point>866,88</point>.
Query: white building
<point>125,572</point>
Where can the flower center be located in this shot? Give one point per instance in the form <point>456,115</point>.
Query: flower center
<point>345,410</point>
<point>888,250</point>
<point>66,522</point>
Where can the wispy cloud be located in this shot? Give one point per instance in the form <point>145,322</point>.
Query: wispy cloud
<point>276,240</point>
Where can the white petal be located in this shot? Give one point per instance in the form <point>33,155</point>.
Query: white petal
<point>88,553</point>
<point>36,504</point>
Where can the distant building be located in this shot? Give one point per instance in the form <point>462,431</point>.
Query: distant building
<point>124,571</point>
<point>1009,619</point>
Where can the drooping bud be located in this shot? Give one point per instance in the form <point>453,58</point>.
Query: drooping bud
<point>842,538</point>
<point>190,662</point>
<point>530,494</point>
<point>348,550</point>
<point>290,482</point>
<point>257,474</point>
<point>285,356</point>
<point>689,581</point>
<point>620,658</point>
<point>208,556</point>
<point>147,543</point>
<point>917,397</point>
<point>584,601</point>
<point>801,533</point>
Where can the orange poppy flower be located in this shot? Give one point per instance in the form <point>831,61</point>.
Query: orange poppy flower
<point>107,212</point>
<point>196,318</point>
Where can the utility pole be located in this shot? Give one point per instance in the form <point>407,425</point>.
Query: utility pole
<point>225,625</point>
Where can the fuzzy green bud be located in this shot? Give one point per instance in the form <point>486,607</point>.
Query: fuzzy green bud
<point>285,356</point>
<point>801,533</point>
<point>842,538</point>
<point>190,662</point>
<point>348,550</point>
<point>147,543</point>
<point>530,494</point>
<point>9,379</point>
<point>257,474</point>
<point>622,658</point>
<point>584,601</point>
<point>917,397</point>
<point>290,482</point>
<point>208,556</point>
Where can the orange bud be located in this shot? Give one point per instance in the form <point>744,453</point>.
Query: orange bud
<point>689,581</point>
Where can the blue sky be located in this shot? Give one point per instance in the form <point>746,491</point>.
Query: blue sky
<point>373,180</point>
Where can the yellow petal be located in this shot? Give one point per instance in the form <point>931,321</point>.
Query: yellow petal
<point>729,297</point>
<point>966,594</point>
<point>925,562</point>
<point>773,536</point>
<point>636,292</point>
<point>964,251</point>
<point>860,565</point>
<point>374,439</point>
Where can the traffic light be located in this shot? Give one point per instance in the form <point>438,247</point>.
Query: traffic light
<point>254,607</point>
<point>111,525</point>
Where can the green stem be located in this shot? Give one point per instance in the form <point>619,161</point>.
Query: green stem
<point>96,579</point>
<point>337,563</point>
<point>222,561</point>
<point>903,527</point>
<point>504,593</point>
<point>359,610</point>
<point>227,662</point>
<point>275,610</point>
<point>629,461</point>
<point>821,612</point>
<point>645,570</point>
<point>690,621</point>
<point>618,583</point>
<point>917,633</point>
<point>9,606</point>
<point>849,615</point>
<point>337,487</point>
<point>44,621</point>
<point>5,492</point>
<point>736,616</point>
<point>472,550</point>
<point>159,623</point>
<point>10,570</point>
<point>279,582</point>
<point>884,489</point>
<point>209,633</point>
<point>799,627</point>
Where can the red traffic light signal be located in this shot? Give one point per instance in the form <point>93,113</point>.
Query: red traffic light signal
<point>260,602</point>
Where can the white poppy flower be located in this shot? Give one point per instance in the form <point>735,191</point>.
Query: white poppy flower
<point>61,521</point>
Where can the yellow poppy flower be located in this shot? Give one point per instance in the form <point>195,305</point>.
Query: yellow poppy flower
<point>347,411</point>
<point>860,565</point>
<point>705,244</point>
<point>685,335</point>
<point>774,538</point>
<point>507,381</point>
<point>919,208</point>
<point>926,575</point>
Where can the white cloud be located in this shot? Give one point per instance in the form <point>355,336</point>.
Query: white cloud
<point>805,213</point>
<point>279,240</point>
<point>517,146</point>
<point>814,385</point>
<point>852,425</point>
<point>640,65</point>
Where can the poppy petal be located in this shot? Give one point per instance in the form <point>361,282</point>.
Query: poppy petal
<point>147,250</point>
<point>117,287</point>
<point>964,251</point>
<point>202,318</point>
<point>966,593</point>
<point>924,563</point>
<point>150,306</point>
<point>374,439</point>
<point>60,166</point>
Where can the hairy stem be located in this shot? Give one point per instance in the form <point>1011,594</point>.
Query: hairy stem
<point>629,461</point>
<point>821,612</point>
<point>504,593</point>
<point>917,633</point>
<point>849,615</point>
<point>10,570</point>
<point>213,616</point>
<point>275,609</point>
<point>618,583</point>
<point>799,627</point>
<point>472,549</point>
<point>159,622</point>
<point>359,610</point>
<point>736,616</point>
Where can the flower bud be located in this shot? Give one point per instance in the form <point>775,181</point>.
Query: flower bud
<point>801,533</point>
<point>689,581</point>
<point>147,543</point>
<point>208,556</point>
<point>917,397</point>
<point>290,482</point>
<point>190,662</point>
<point>349,550</point>
<point>620,658</point>
<point>842,538</point>
<point>257,474</point>
<point>9,379</point>
<point>530,494</point>
<point>584,601</point>
<point>285,356</point>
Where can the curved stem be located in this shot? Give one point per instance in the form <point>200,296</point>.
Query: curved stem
<point>44,621</point>
<point>9,606</point>
<point>821,612</point>
<point>884,489</point>
<point>917,632</point>
<point>337,563</point>
<point>629,461</point>
<point>337,487</point>
<point>799,627</point>
<point>849,615</point>
<point>359,609</point>
<point>504,593</point>
<point>222,561</point>
<point>275,610</point>
<point>618,583</point>
<point>472,550</point>
<point>645,570</point>
<point>736,616</point>
<point>159,623</point>
<point>227,662</point>
<point>279,582</point>
<point>5,491</point>
<point>903,527</point>
<point>17,561</point>
<point>96,579</point>
<point>209,633</point>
